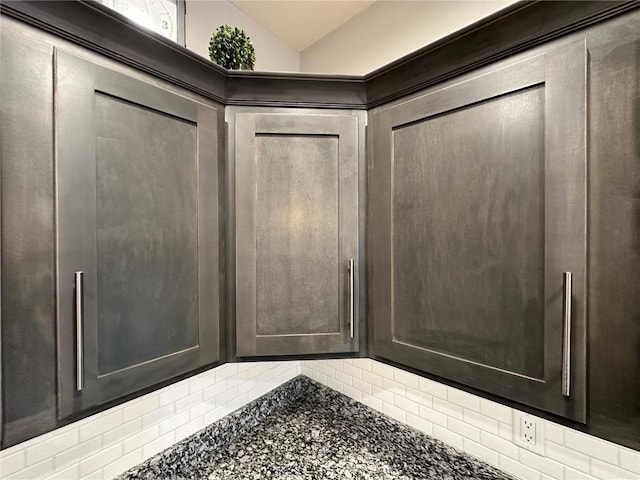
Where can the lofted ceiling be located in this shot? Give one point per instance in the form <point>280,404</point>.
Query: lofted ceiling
<point>300,23</point>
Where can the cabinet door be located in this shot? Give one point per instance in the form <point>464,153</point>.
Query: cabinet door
<point>137,225</point>
<point>478,209</point>
<point>296,232</point>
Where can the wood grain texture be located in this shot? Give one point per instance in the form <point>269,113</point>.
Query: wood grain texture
<point>137,213</point>
<point>28,260</point>
<point>494,167</point>
<point>514,29</point>
<point>296,204</point>
<point>614,232</point>
<point>297,233</point>
<point>147,236</point>
<point>468,233</point>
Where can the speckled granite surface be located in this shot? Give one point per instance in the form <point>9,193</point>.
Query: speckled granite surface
<point>303,430</point>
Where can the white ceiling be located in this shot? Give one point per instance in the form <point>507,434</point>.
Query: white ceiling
<point>300,23</point>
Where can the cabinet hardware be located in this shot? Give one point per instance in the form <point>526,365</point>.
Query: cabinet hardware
<point>566,334</point>
<point>79,310</point>
<point>351,295</point>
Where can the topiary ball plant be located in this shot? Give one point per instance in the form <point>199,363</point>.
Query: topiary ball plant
<point>231,48</point>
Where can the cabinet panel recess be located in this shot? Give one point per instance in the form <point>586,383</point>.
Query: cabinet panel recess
<point>479,210</point>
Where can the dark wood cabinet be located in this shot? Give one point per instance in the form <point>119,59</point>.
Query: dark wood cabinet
<point>479,209</point>
<point>137,233</point>
<point>296,214</point>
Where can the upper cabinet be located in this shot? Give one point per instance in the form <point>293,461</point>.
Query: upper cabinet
<point>297,233</point>
<point>137,233</point>
<point>479,235</point>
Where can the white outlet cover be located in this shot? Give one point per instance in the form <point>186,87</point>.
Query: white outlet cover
<point>517,433</point>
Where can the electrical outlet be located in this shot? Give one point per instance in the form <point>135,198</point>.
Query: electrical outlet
<point>528,432</point>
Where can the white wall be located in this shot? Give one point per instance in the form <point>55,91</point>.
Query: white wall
<point>204,16</point>
<point>389,30</point>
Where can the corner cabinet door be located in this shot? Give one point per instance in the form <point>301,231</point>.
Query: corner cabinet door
<point>478,210</point>
<point>296,232</point>
<point>137,224</point>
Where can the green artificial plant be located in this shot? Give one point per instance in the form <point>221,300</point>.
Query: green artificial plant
<point>231,48</point>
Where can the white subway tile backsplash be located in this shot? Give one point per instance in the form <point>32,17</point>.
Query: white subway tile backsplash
<point>70,472</point>
<point>506,431</point>
<point>419,424</point>
<point>464,399</point>
<point>479,451</point>
<point>363,363</point>
<point>140,407</point>
<point>140,439</point>
<point>99,460</point>
<point>447,436</point>
<point>480,427</point>
<point>590,446</point>
<point>123,464</point>
<point>100,425</point>
<point>188,402</point>
<point>41,469</point>
<point>544,465</point>
<point>77,453</point>
<point>394,412</point>
<point>121,432</point>
<point>108,443</point>
<point>496,411</point>
<point>419,397</point>
<point>464,429</point>
<point>381,394</point>
<point>214,390</point>
<point>629,460</point>
<point>449,409</point>
<point>606,471</point>
<point>482,422</point>
<point>373,402</point>
<point>363,386</point>
<point>498,444</point>
<point>352,392</point>
<point>158,415</point>
<point>327,371</point>
<point>159,444</point>
<point>189,429</point>
<point>226,371</point>
<point>173,393</point>
<point>572,474</point>
<point>517,469</point>
<point>553,432</point>
<point>433,416</point>
<point>372,378</point>
<point>432,388</point>
<point>201,382</point>
<point>383,370</point>
<point>352,370</point>
<point>343,377</point>
<point>406,378</point>
<point>52,446</point>
<point>394,387</point>
<point>215,415</point>
<point>405,404</point>
<point>12,463</point>
<point>568,457</point>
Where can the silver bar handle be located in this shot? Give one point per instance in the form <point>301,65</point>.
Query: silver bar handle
<point>79,311</point>
<point>351,296</point>
<point>567,280</point>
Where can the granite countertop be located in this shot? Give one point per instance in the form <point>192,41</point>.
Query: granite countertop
<point>304,430</point>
